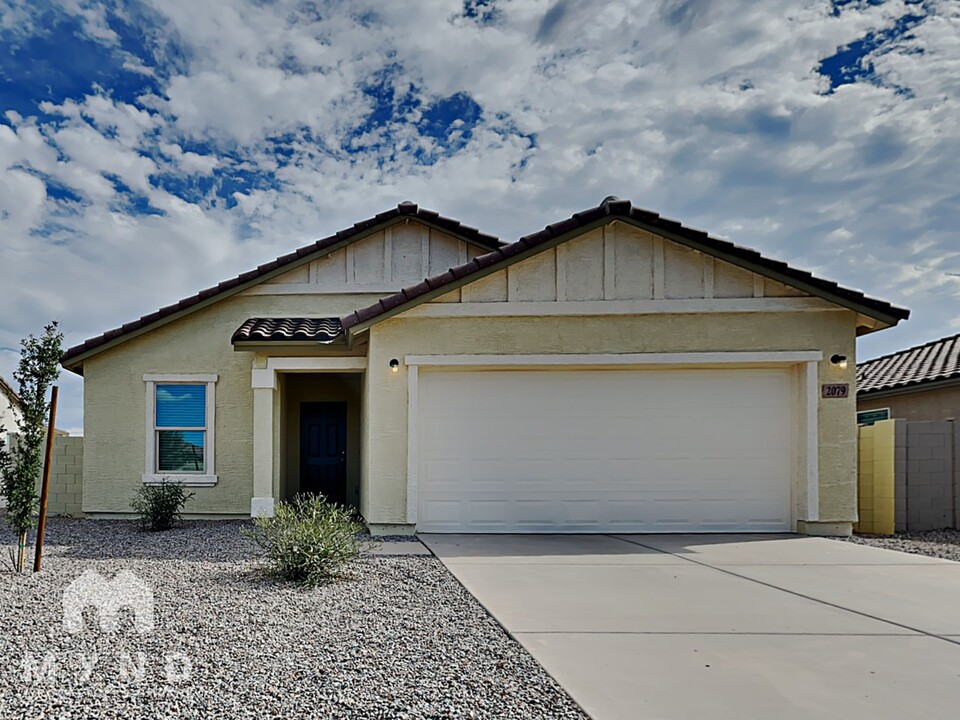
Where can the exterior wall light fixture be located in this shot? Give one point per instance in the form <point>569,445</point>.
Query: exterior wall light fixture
<point>395,365</point>
<point>840,361</point>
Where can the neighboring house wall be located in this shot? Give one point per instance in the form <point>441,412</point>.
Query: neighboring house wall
<point>8,415</point>
<point>935,403</point>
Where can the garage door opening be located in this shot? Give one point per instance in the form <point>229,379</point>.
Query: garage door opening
<point>656,450</point>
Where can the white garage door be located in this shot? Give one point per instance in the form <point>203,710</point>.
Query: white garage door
<point>604,451</point>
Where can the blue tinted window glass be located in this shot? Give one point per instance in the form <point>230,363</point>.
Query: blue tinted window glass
<point>182,406</point>
<point>180,451</point>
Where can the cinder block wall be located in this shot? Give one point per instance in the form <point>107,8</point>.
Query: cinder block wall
<point>66,477</point>
<point>930,481</point>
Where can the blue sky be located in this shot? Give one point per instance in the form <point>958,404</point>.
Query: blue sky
<point>148,149</point>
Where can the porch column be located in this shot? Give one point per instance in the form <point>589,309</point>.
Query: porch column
<point>264,386</point>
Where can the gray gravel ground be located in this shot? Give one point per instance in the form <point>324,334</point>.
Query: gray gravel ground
<point>944,544</point>
<point>399,639</point>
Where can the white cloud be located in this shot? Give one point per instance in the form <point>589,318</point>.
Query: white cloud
<point>709,112</point>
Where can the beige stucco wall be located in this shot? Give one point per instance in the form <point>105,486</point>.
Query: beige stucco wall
<point>115,399</point>
<point>383,491</point>
<point>932,404</point>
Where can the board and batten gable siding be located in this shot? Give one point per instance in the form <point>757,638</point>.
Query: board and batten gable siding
<point>606,267</point>
<point>395,257</point>
<point>619,262</point>
<point>115,400</point>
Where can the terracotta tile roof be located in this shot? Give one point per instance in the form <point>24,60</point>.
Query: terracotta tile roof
<point>403,210</point>
<point>609,209</point>
<point>321,330</point>
<point>927,363</point>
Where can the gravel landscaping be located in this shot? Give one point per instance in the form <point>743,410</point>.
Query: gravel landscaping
<point>399,638</point>
<point>944,544</point>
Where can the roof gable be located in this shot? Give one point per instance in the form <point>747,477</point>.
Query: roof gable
<point>932,362</point>
<point>380,262</point>
<point>616,262</point>
<point>73,358</point>
<point>736,265</point>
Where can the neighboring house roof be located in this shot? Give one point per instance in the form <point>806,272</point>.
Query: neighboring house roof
<point>73,357</point>
<point>615,208</point>
<point>8,392</point>
<point>913,368</point>
<point>313,330</point>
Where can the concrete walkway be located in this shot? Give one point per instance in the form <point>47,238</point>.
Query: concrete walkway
<point>685,626</point>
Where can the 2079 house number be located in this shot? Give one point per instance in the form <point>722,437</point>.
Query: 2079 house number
<point>835,390</point>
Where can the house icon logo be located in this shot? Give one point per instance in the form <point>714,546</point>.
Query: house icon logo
<point>92,589</point>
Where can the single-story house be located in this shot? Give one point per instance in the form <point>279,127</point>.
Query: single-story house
<point>613,372</point>
<point>919,383</point>
<point>11,409</point>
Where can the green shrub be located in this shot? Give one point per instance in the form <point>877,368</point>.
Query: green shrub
<point>159,506</point>
<point>308,539</point>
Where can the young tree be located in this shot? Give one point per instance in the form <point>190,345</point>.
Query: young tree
<point>20,465</point>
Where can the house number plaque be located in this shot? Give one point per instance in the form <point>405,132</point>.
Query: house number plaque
<point>835,390</point>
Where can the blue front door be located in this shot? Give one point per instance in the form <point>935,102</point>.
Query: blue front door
<point>323,449</point>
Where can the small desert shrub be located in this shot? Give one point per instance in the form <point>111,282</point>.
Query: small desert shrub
<point>159,506</point>
<point>308,539</point>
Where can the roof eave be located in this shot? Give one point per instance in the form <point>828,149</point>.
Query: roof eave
<point>768,272</point>
<point>75,364</point>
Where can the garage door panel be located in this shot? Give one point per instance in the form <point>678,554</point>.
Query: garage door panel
<point>605,451</point>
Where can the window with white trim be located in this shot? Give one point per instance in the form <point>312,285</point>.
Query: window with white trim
<point>180,429</point>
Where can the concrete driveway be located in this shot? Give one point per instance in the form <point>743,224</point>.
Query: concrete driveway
<point>738,626</point>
